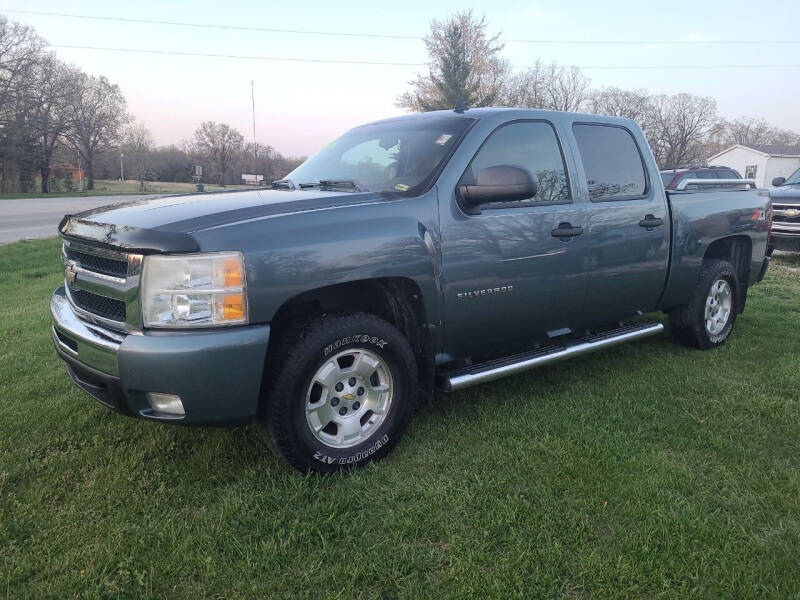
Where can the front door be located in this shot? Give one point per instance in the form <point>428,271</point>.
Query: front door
<point>510,275</point>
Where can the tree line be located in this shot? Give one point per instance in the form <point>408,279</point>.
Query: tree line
<point>466,68</point>
<point>56,119</point>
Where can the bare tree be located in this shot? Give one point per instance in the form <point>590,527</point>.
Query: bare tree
<point>527,88</point>
<point>616,102</point>
<point>551,87</point>
<point>465,67</point>
<point>98,115</point>
<point>219,144</point>
<point>20,49</point>
<point>567,87</point>
<point>748,131</point>
<point>138,146</point>
<point>50,114</point>
<point>679,126</point>
<point>754,131</point>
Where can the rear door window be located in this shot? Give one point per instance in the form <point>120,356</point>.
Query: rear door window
<point>611,161</point>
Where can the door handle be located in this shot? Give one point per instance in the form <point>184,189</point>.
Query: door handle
<point>566,230</point>
<point>650,221</point>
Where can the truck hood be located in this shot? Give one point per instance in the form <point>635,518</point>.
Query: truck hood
<point>165,223</point>
<point>789,194</point>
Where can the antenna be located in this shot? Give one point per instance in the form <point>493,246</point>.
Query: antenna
<point>460,105</point>
<point>255,145</point>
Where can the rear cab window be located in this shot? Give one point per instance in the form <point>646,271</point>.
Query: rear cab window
<point>612,162</point>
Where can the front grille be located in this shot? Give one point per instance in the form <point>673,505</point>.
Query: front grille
<point>779,210</point>
<point>98,264</point>
<point>105,283</point>
<point>108,308</point>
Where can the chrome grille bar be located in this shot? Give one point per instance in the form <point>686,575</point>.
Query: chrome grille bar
<point>102,285</point>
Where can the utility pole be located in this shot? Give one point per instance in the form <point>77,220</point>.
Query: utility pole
<point>255,146</point>
<point>121,166</point>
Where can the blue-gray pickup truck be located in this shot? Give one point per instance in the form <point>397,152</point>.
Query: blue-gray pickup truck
<point>430,251</point>
<point>786,212</point>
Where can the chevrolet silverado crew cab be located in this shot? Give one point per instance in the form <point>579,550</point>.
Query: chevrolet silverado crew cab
<point>786,208</point>
<point>437,250</point>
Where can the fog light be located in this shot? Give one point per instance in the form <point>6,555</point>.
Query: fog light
<point>165,403</point>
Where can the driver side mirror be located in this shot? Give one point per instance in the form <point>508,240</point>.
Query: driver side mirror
<point>778,181</point>
<point>496,184</point>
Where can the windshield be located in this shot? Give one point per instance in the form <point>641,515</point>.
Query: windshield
<point>401,156</point>
<point>667,177</point>
<point>794,179</point>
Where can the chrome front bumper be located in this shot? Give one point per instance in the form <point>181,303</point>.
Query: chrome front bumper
<point>91,344</point>
<point>216,373</point>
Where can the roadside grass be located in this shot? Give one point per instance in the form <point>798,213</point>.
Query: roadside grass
<point>112,187</point>
<point>649,470</point>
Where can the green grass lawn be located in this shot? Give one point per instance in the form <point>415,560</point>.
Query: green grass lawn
<point>647,471</point>
<point>111,187</point>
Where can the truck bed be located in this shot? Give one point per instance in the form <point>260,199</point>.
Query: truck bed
<point>699,219</point>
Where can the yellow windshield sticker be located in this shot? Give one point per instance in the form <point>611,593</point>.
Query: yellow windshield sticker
<point>401,186</point>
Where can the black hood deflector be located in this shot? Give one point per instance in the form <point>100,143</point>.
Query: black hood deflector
<point>132,239</point>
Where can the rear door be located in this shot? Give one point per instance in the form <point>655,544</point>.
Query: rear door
<point>508,278</point>
<point>629,223</point>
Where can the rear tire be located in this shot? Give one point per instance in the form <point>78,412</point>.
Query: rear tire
<point>341,394</point>
<point>707,320</point>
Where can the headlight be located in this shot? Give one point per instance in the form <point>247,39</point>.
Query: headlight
<point>194,290</point>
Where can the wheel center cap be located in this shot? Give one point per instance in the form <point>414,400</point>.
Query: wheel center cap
<point>348,396</point>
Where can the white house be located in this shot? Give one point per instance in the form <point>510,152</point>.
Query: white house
<point>762,162</point>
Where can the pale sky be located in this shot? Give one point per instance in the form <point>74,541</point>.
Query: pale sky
<point>302,106</point>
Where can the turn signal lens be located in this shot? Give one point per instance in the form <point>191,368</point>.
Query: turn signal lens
<point>233,307</point>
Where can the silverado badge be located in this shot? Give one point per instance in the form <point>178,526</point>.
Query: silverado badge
<point>70,272</point>
<point>503,289</point>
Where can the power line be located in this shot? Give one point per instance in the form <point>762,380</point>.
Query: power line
<point>396,64</point>
<point>215,25</point>
<point>384,35</point>
<point>240,56</point>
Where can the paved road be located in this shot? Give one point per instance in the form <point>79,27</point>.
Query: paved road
<point>38,217</point>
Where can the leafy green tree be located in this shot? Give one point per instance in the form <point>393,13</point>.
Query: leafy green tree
<point>465,67</point>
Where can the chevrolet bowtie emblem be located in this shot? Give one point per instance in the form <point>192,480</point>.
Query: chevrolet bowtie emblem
<point>791,213</point>
<point>70,272</point>
<point>348,396</point>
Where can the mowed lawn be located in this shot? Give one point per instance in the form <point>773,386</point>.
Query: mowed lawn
<point>647,471</point>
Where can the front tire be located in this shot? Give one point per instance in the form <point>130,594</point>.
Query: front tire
<point>707,321</point>
<point>342,393</point>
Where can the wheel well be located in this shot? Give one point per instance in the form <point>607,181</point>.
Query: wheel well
<point>738,251</point>
<point>397,300</point>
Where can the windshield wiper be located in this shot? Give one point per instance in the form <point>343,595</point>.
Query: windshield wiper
<point>324,184</point>
<point>283,184</point>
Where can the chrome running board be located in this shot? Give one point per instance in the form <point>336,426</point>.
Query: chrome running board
<point>489,371</point>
